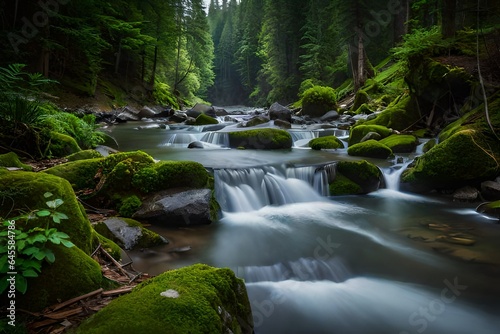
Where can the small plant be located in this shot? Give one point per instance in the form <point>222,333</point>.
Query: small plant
<point>24,252</point>
<point>129,206</point>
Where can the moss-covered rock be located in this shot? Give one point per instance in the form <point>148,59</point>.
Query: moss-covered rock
<point>129,206</point>
<point>257,120</point>
<point>26,191</point>
<point>327,142</point>
<point>360,99</point>
<point>195,299</point>
<point>84,155</point>
<point>129,233</point>
<point>61,145</point>
<point>428,145</point>
<point>318,100</point>
<point>360,131</point>
<point>363,109</point>
<point>204,119</point>
<point>364,174</point>
<point>73,274</point>
<point>107,244</point>
<point>12,160</point>
<point>260,139</point>
<point>400,115</point>
<point>461,159</point>
<point>370,149</point>
<point>343,186</point>
<point>401,143</point>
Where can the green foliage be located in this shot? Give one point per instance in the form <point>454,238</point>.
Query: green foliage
<point>318,100</point>
<point>327,142</point>
<point>129,206</point>
<point>24,250</point>
<point>163,95</point>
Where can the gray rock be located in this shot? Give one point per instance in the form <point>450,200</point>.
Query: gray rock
<point>277,111</point>
<point>490,190</point>
<point>128,235</point>
<point>146,112</point>
<point>371,135</point>
<point>178,117</point>
<point>282,124</point>
<point>191,207</point>
<point>128,114</point>
<point>466,194</point>
<point>330,116</point>
<point>196,144</point>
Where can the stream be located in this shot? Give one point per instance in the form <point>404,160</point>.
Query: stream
<point>319,264</point>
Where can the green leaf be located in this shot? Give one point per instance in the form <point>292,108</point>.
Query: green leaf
<point>30,273</point>
<point>4,233</point>
<point>67,243</point>
<point>50,256</point>
<point>3,284</point>
<point>20,245</point>
<point>31,264</point>
<point>59,215</point>
<point>43,213</point>
<point>3,262</point>
<point>30,251</point>
<point>47,194</point>
<point>36,238</point>
<point>40,255</point>
<point>55,203</point>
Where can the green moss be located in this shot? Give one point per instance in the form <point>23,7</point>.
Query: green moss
<point>12,160</point>
<point>370,149</point>
<point>257,121</point>
<point>399,116</point>
<point>129,206</point>
<point>461,159</point>
<point>343,186</point>
<point>360,99</point>
<point>364,174</point>
<point>360,131</point>
<point>26,191</point>
<point>80,174</point>
<point>73,274</point>
<point>430,144</point>
<point>318,100</point>
<point>84,155</point>
<point>107,244</point>
<point>401,143</point>
<point>264,139</point>
<point>327,142</point>
<point>61,145</point>
<point>364,109</point>
<point>203,119</point>
<point>205,295</point>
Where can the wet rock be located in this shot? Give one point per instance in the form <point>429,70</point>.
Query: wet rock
<point>282,124</point>
<point>466,194</point>
<point>196,144</point>
<point>277,111</point>
<point>146,112</point>
<point>178,117</point>
<point>191,207</point>
<point>128,114</point>
<point>330,116</point>
<point>490,190</point>
<point>371,135</point>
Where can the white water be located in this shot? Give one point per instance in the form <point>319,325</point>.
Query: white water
<point>392,175</point>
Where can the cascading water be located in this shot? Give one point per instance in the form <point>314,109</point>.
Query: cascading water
<point>392,175</point>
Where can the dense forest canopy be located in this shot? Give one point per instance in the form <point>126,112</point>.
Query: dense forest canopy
<point>248,51</point>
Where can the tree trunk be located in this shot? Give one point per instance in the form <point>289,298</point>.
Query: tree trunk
<point>448,14</point>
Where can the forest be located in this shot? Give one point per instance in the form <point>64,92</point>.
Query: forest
<point>252,52</point>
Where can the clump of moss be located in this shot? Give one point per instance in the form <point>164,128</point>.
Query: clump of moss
<point>363,173</point>
<point>129,206</point>
<point>430,144</point>
<point>202,299</point>
<point>84,155</point>
<point>61,145</point>
<point>364,109</point>
<point>327,142</point>
<point>401,143</point>
<point>12,160</point>
<point>360,131</point>
<point>400,115</point>
<point>370,149</point>
<point>360,99</point>
<point>343,186</point>
<point>264,139</point>
<point>204,119</point>
<point>318,100</point>
<point>107,244</point>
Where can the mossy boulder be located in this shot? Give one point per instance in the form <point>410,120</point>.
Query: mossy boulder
<point>204,119</point>
<point>318,100</point>
<point>26,191</point>
<point>364,109</point>
<point>194,299</point>
<point>365,175</point>
<point>84,155</point>
<point>401,143</point>
<point>359,132</point>
<point>261,139</point>
<point>370,149</point>
<point>400,115</point>
<point>73,274</point>
<point>129,233</point>
<point>257,120</point>
<point>61,145</point>
<point>327,142</point>
<point>129,206</point>
<point>428,145</point>
<point>107,244</point>
<point>12,160</point>
<point>464,158</point>
<point>360,98</point>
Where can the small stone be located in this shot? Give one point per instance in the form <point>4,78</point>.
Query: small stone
<point>466,194</point>
<point>170,294</point>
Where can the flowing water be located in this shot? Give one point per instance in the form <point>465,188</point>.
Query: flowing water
<point>319,264</point>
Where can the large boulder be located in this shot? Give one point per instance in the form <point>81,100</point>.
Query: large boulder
<point>491,190</point>
<point>359,132</point>
<point>399,115</point>
<point>370,149</point>
<point>194,299</point>
<point>326,142</point>
<point>260,139</point>
<point>277,111</point>
<point>191,207</point>
<point>204,119</point>
<point>401,143</point>
<point>355,177</point>
<point>129,233</point>
<point>458,161</point>
<point>146,112</point>
<point>11,160</point>
<point>128,114</point>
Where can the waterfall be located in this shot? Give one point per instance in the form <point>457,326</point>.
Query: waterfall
<point>183,139</point>
<point>216,138</point>
<point>392,175</point>
<point>253,188</point>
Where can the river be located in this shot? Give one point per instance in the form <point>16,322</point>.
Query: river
<point>319,264</point>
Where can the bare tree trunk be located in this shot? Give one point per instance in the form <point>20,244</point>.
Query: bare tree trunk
<point>448,14</point>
